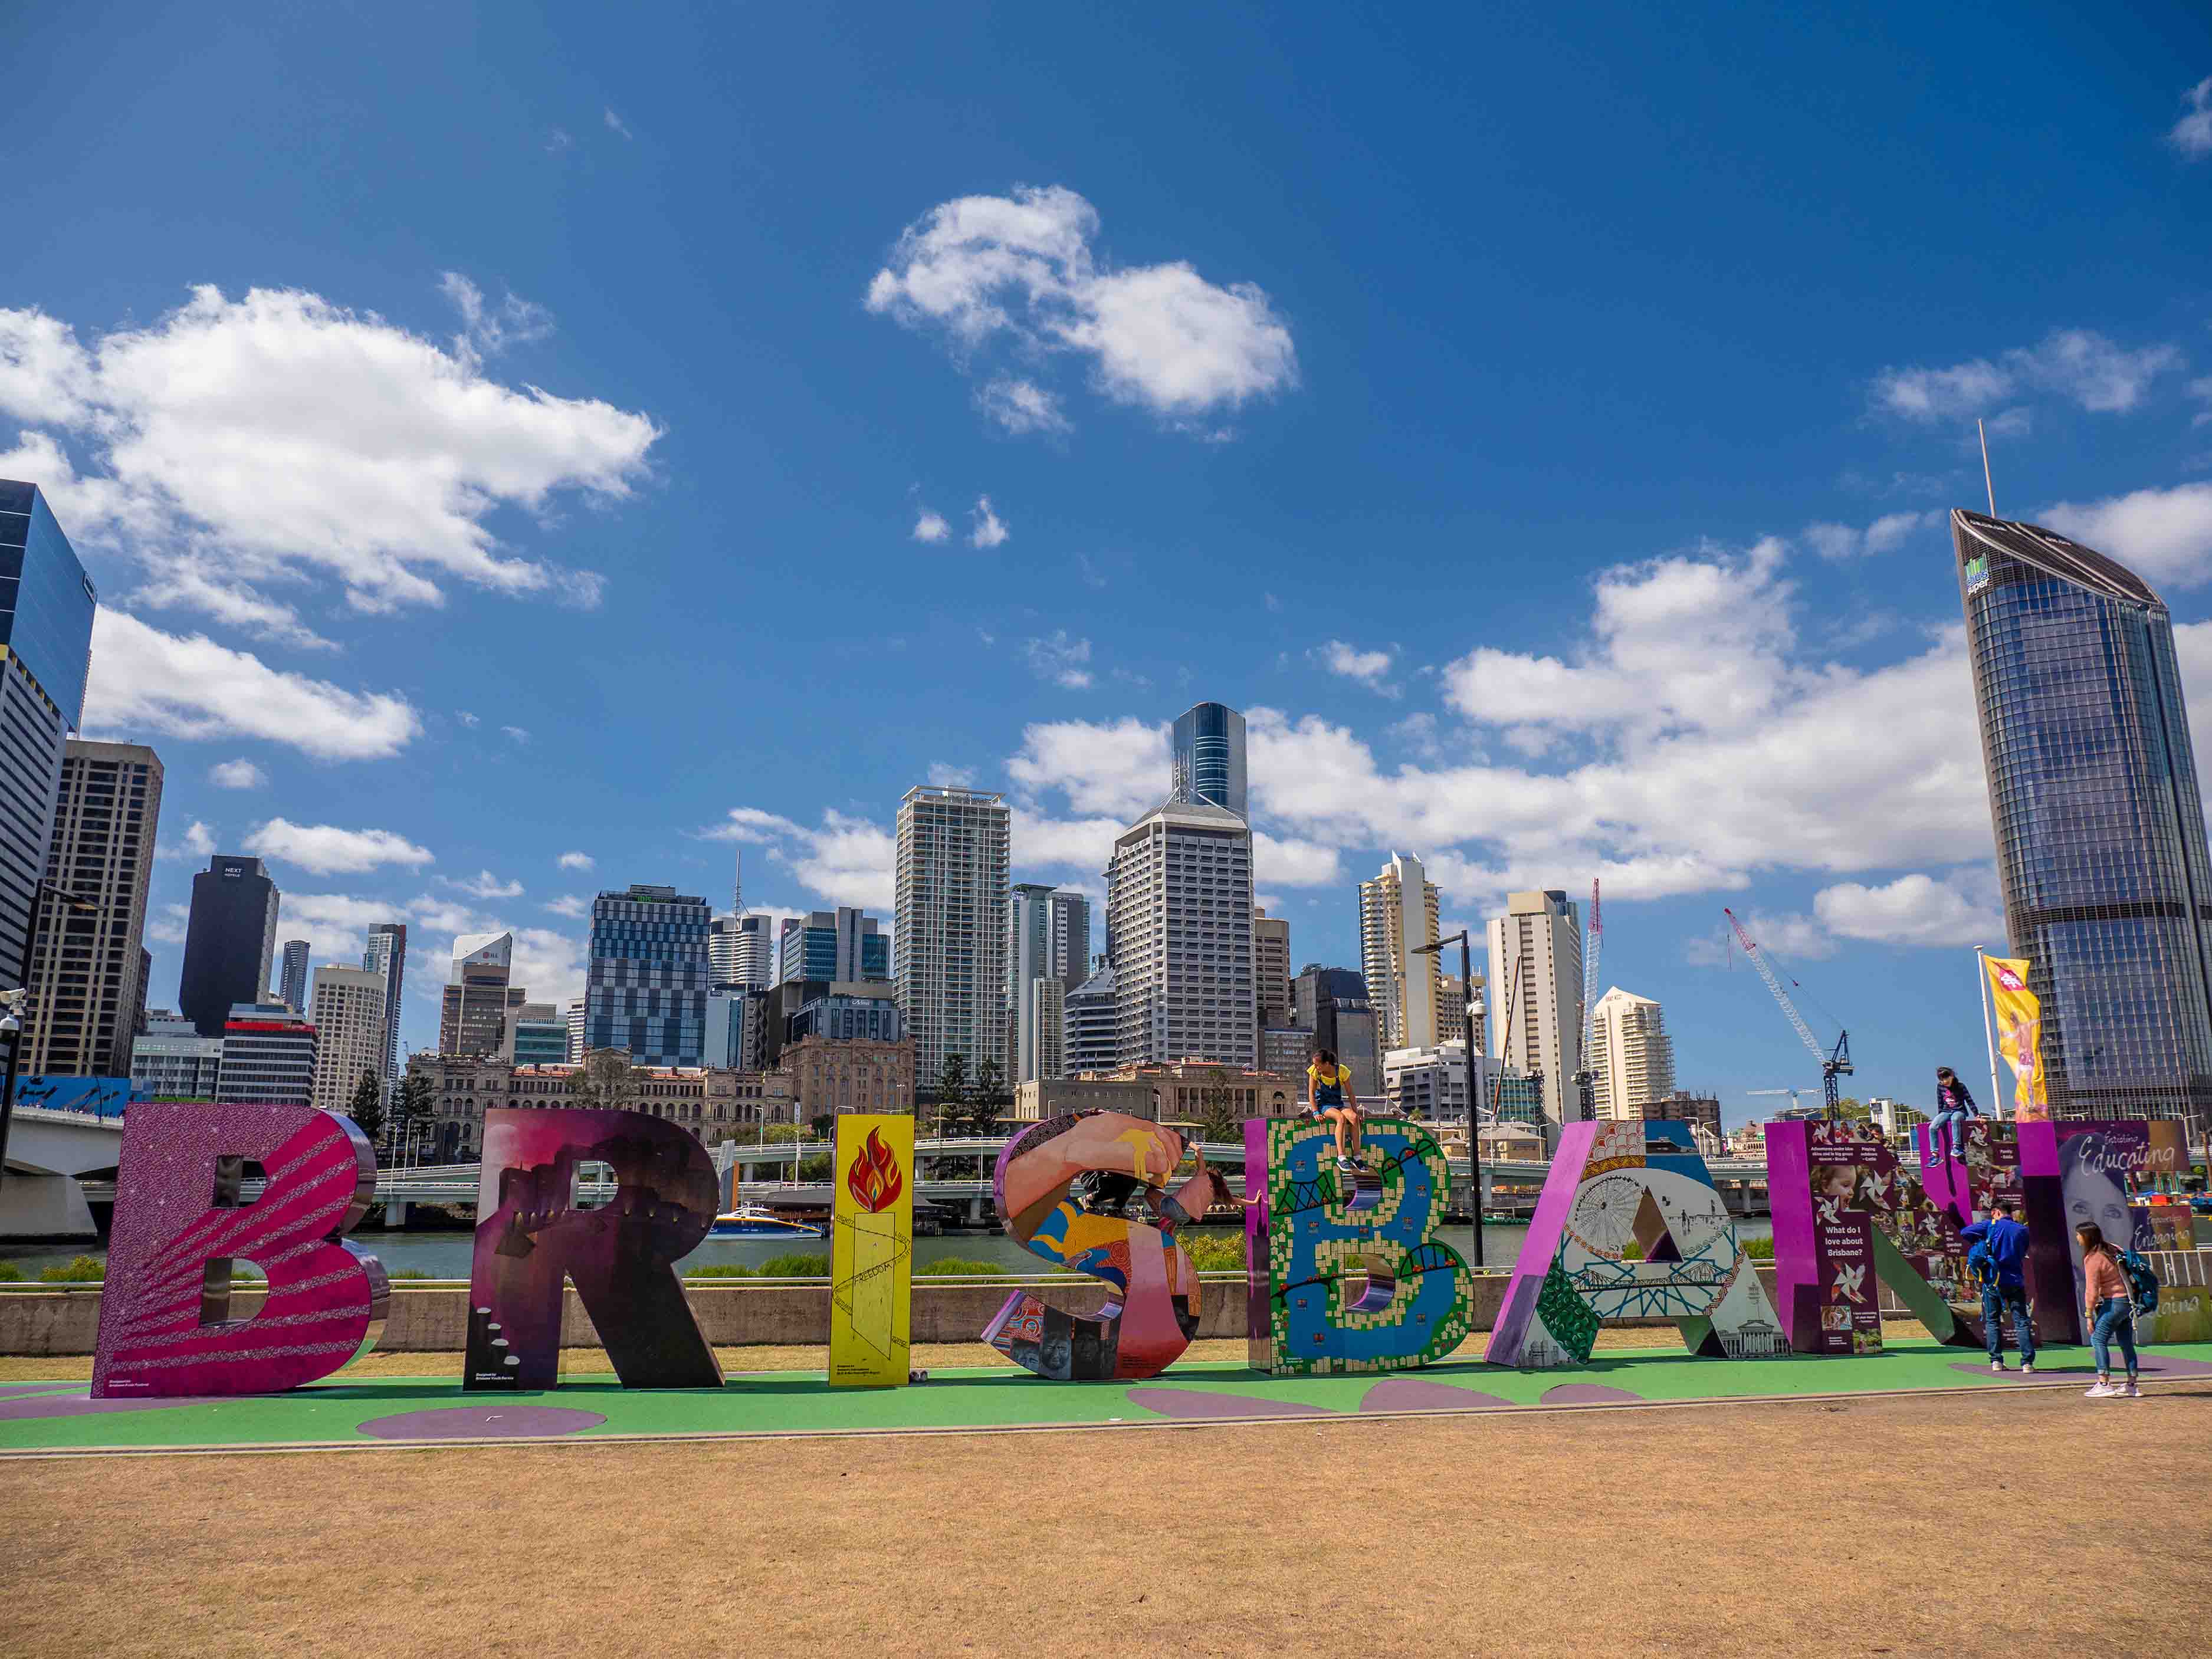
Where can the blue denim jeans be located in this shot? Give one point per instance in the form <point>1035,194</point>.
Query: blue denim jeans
<point>2115,1319</point>
<point>1957,1121</point>
<point>1996,1298</point>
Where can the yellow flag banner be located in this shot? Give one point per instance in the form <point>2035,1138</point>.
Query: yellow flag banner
<point>872,1254</point>
<point>2020,1037</point>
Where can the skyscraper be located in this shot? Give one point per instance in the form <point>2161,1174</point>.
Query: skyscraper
<point>646,987</point>
<point>85,978</point>
<point>346,1006</point>
<point>1332,1003</point>
<point>387,954</point>
<point>1632,1058</point>
<point>46,604</point>
<point>1271,967</point>
<point>1397,916</point>
<point>1536,991</point>
<point>844,944</point>
<point>741,950</point>
<point>473,1014</point>
<point>1035,950</point>
<point>2100,826</point>
<point>949,940</point>
<point>268,1056</point>
<point>1068,921</point>
<point>1209,763</point>
<point>292,977</point>
<point>1044,1026</point>
<point>1179,929</point>
<point>229,942</point>
<point>576,1031</point>
<point>1091,1033</point>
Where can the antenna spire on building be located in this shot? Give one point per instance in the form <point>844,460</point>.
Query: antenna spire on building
<point>1986,483</point>
<point>738,885</point>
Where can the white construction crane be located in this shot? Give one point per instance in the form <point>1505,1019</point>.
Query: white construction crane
<point>1592,948</point>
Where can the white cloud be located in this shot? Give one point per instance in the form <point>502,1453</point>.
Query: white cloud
<point>465,718</point>
<point>574,860</point>
<point>1294,863</point>
<point>199,842</point>
<point>143,679</point>
<point>326,849</point>
<point>515,733</point>
<point>930,526</point>
<point>558,143</point>
<point>1885,535</point>
<point>1159,336</point>
<point>237,774</point>
<point>1112,769</point>
<point>1785,936</point>
<point>846,860</point>
<point>947,775</point>
<point>2072,363</point>
<point>989,532</point>
<point>1370,668</point>
<point>2201,390</point>
<point>166,926</point>
<point>484,886</point>
<point>2163,535</point>
<point>572,905</point>
<point>1021,406</point>
<point>489,329</point>
<point>615,124</point>
<point>1060,659</point>
<point>278,440</point>
<point>2192,134</point>
<point>1914,909</point>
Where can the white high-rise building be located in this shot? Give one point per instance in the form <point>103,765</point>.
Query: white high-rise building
<point>1397,916</point>
<point>1535,992</point>
<point>1271,967</point>
<point>1044,1026</point>
<point>576,1031</point>
<point>346,1008</point>
<point>741,950</point>
<point>949,926</point>
<point>1089,1020</point>
<point>1631,1059</point>
<point>1179,929</point>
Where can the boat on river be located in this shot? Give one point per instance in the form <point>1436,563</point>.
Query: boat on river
<point>758,1221</point>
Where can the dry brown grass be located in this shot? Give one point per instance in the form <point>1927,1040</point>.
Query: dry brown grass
<point>1965,1525</point>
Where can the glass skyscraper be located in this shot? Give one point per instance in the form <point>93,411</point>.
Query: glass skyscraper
<point>2100,827</point>
<point>1209,757</point>
<point>646,990</point>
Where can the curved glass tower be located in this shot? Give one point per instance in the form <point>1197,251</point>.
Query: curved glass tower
<point>1209,757</point>
<point>2100,827</point>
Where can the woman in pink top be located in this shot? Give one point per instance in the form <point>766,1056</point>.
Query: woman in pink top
<point>2108,1312</point>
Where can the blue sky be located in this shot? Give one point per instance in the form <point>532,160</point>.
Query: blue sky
<point>506,433</point>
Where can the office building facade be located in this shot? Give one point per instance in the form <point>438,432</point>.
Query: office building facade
<point>949,940</point>
<point>1045,1026</point>
<point>646,984</point>
<point>46,606</point>
<point>1271,967</point>
<point>576,1031</point>
<point>1397,916</point>
<point>1632,1058</point>
<point>1179,929</point>
<point>537,1034</point>
<point>1207,763</point>
<point>386,954</point>
<point>1091,1023</point>
<point>741,951</point>
<point>87,980</point>
<point>173,1062</point>
<point>292,974</point>
<point>2099,825</point>
<point>268,1056</point>
<point>1332,1003</point>
<point>230,941</point>
<point>346,1008</point>
<point>843,944</point>
<point>474,1013</point>
<point>1535,994</point>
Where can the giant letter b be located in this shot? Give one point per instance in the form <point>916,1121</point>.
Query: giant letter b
<point>178,1226</point>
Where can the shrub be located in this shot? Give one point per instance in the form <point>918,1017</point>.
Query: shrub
<point>1758,1249</point>
<point>84,1270</point>
<point>947,1264</point>
<point>407,1272</point>
<point>10,1273</point>
<point>795,1265</point>
<point>1214,1253</point>
<point>720,1270</point>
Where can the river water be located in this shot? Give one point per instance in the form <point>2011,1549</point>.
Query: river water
<point>445,1254</point>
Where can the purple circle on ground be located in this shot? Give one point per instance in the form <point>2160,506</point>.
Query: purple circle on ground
<point>1200,1404</point>
<point>1418,1394</point>
<point>30,1407</point>
<point>481,1423</point>
<point>1588,1393</point>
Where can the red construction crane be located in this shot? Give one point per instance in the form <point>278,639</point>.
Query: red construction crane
<point>1832,1065</point>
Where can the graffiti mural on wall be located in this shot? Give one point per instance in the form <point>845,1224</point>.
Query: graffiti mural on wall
<point>183,1218</point>
<point>872,1255</point>
<point>532,1236</point>
<point>1629,1226</point>
<point>1351,1281</point>
<point>1088,1191</point>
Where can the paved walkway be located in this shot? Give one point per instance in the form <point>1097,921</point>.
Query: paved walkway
<point>393,1412</point>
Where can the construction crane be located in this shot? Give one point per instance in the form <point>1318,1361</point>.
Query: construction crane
<point>1592,948</point>
<point>1833,1064</point>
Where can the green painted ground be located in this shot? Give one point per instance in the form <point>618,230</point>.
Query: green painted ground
<point>798,1402</point>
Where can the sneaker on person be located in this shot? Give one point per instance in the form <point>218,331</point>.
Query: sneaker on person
<point>2100,1389</point>
<point>2131,1391</point>
<point>1995,1366</point>
<point>2028,1368</point>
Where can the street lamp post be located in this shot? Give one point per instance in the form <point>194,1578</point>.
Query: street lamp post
<point>18,1006</point>
<point>1467,1032</point>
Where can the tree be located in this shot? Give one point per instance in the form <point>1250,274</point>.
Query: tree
<point>367,1106</point>
<point>951,1093</point>
<point>418,1102</point>
<point>821,1124</point>
<point>981,1117</point>
<point>605,1079</point>
<point>1219,1120</point>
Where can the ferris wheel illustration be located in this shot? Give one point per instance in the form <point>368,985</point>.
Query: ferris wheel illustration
<point>1605,1214</point>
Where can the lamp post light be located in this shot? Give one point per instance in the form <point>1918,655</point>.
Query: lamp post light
<point>1466,1031</point>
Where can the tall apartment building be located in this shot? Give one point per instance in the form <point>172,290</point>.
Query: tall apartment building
<point>1397,916</point>
<point>86,979</point>
<point>646,984</point>
<point>230,940</point>
<point>1069,920</point>
<point>1631,1059</point>
<point>1208,766</point>
<point>1090,1025</point>
<point>292,976</point>
<point>346,1008</point>
<point>2099,825</point>
<point>268,1056</point>
<point>387,955</point>
<point>1179,929</point>
<point>844,944</point>
<point>1044,1026</point>
<point>741,950</point>
<point>949,940</point>
<point>576,1031</point>
<point>1043,925</point>
<point>479,1000</point>
<point>1535,994</point>
<point>47,605</point>
<point>1271,966</point>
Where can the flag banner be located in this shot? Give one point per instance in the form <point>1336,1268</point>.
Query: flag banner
<point>2020,1037</point>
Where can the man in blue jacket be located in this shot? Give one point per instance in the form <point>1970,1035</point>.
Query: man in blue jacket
<point>2000,1246</point>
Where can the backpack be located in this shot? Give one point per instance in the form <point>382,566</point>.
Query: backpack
<point>1981,1266</point>
<point>2142,1283</point>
